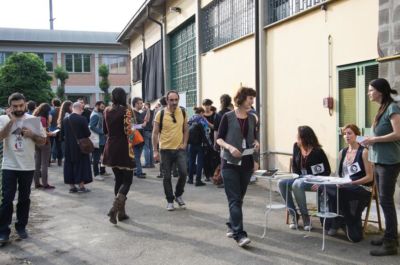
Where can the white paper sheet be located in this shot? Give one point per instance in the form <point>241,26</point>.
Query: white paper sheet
<point>248,152</point>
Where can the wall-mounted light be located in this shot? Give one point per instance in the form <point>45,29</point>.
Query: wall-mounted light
<point>175,9</point>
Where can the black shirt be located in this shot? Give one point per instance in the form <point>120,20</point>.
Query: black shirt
<point>316,156</point>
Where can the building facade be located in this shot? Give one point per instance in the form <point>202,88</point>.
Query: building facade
<point>312,52</point>
<point>79,52</point>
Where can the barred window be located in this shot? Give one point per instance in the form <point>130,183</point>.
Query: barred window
<point>77,63</point>
<point>223,21</point>
<point>281,9</point>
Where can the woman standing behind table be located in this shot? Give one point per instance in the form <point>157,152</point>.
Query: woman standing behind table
<point>308,159</point>
<point>353,197</point>
<point>118,151</point>
<point>385,154</point>
<point>43,152</point>
<point>237,132</point>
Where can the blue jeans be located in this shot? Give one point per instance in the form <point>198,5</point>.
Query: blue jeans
<point>12,179</point>
<point>236,181</point>
<point>169,158</point>
<point>196,151</point>
<point>148,149</point>
<point>299,188</point>
<point>138,149</point>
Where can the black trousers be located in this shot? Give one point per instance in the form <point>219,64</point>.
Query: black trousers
<point>123,180</point>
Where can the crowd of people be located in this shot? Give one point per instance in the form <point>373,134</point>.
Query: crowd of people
<point>209,146</point>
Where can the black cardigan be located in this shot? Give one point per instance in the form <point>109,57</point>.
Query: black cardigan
<point>316,156</point>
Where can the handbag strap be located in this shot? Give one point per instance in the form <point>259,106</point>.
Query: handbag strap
<point>72,129</point>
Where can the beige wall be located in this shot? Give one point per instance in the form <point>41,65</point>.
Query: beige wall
<point>174,19</point>
<point>297,75</point>
<point>224,69</point>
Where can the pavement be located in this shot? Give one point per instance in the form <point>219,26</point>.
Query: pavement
<point>73,229</point>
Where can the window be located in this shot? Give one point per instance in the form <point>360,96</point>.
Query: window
<point>137,64</point>
<point>226,20</point>
<point>77,63</point>
<point>4,56</point>
<point>48,59</point>
<point>280,9</point>
<point>116,63</point>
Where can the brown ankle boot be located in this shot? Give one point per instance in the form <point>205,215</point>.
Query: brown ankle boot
<point>122,214</point>
<point>117,205</point>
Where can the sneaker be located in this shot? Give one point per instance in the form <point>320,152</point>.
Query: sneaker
<point>243,241</point>
<point>229,233</point>
<point>190,181</point>
<point>99,178</point>
<point>170,206</point>
<point>207,179</point>
<point>199,184</point>
<point>332,232</point>
<point>49,187</point>
<point>4,239</point>
<point>83,190</point>
<point>294,222</point>
<point>73,190</point>
<point>180,202</point>
<point>253,179</point>
<point>22,234</point>
<point>306,222</point>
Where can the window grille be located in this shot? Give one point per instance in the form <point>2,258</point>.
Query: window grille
<point>280,9</point>
<point>223,21</point>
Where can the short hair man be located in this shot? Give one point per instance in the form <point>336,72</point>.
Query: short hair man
<point>96,127</point>
<point>173,138</point>
<point>18,165</point>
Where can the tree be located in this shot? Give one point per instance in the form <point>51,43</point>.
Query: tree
<point>62,75</point>
<point>25,73</point>
<point>104,83</point>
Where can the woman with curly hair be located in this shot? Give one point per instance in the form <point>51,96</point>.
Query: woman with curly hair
<point>118,150</point>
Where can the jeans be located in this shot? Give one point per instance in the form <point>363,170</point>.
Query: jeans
<point>196,151</point>
<point>12,179</point>
<point>168,159</point>
<point>42,156</point>
<point>386,177</point>
<point>236,181</point>
<point>148,149</point>
<point>137,149</point>
<point>123,180</point>
<point>96,159</point>
<point>299,189</point>
<point>56,148</point>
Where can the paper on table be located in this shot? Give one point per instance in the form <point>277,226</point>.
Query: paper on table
<point>248,152</point>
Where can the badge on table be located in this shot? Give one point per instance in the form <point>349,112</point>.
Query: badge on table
<point>317,169</point>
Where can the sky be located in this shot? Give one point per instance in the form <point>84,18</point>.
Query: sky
<point>85,15</point>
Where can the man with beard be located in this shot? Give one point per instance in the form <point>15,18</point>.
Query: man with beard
<point>18,165</point>
<point>96,127</point>
<point>171,131</point>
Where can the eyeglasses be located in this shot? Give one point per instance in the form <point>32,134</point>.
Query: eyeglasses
<point>173,117</point>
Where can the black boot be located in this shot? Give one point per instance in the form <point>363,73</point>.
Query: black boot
<point>379,242</point>
<point>122,214</point>
<point>389,247</point>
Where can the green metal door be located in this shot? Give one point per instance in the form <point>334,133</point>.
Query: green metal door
<point>354,105</point>
<point>183,63</point>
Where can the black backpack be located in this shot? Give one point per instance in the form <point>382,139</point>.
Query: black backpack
<point>195,133</point>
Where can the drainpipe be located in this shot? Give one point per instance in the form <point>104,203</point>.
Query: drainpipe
<point>162,44</point>
<point>261,79</point>
<point>198,55</point>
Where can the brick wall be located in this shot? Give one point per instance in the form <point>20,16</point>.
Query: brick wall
<point>389,40</point>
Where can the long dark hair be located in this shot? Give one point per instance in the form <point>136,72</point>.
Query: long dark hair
<point>383,86</point>
<point>308,137</point>
<point>118,96</point>
<point>42,111</point>
<point>65,108</point>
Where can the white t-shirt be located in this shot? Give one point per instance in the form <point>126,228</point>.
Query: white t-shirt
<point>18,151</point>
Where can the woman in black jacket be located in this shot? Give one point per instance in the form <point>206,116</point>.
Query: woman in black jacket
<point>308,159</point>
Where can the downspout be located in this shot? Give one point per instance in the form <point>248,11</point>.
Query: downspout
<point>261,80</point>
<point>162,45</point>
<point>198,55</point>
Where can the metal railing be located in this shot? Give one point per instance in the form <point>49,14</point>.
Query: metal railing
<point>281,9</point>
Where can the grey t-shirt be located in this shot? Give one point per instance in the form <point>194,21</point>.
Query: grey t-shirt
<point>385,153</point>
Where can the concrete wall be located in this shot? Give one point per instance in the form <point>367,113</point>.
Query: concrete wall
<point>389,40</point>
<point>297,75</point>
<point>174,19</point>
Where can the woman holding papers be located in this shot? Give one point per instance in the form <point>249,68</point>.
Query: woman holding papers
<point>308,159</point>
<point>43,152</point>
<point>385,154</point>
<point>236,136</point>
<point>353,197</point>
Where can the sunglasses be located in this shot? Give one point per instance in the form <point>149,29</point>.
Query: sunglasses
<point>173,117</point>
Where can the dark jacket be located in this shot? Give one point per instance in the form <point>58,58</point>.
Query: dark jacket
<point>316,156</point>
<point>81,129</point>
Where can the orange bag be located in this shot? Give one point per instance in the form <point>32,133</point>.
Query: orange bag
<point>137,138</point>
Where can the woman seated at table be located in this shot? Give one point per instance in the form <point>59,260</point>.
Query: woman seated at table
<point>353,197</point>
<point>308,159</point>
